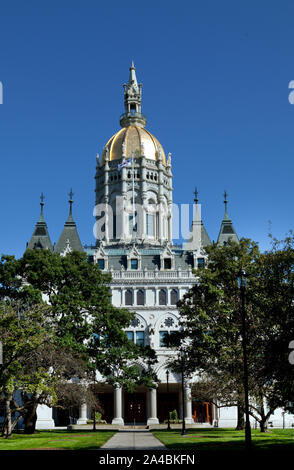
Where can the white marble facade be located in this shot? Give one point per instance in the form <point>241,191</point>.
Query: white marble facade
<point>149,274</point>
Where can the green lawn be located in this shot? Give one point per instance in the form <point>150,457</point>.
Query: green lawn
<point>64,440</point>
<point>224,439</point>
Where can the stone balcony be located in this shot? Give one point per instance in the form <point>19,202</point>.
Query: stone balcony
<point>151,275</point>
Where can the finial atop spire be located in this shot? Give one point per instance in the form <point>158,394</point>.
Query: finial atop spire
<point>196,195</point>
<point>42,197</point>
<point>226,203</point>
<point>70,201</point>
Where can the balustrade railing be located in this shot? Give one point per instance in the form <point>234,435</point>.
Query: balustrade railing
<point>144,274</point>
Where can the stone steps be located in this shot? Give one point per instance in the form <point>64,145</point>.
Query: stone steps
<point>138,426</point>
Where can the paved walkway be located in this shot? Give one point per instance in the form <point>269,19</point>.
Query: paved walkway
<point>133,440</point>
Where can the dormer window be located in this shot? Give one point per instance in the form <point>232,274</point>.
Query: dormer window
<point>167,263</point>
<point>134,263</point>
<point>101,263</point>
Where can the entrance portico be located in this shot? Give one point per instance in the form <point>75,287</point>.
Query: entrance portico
<point>145,406</point>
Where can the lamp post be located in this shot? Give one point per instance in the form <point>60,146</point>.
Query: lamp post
<point>168,420</point>
<point>94,386</point>
<point>242,285</point>
<point>183,393</point>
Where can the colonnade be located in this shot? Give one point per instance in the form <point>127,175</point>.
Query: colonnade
<point>151,407</point>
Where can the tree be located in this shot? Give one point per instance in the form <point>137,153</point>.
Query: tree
<point>211,321</point>
<point>83,322</point>
<point>85,319</point>
<point>21,335</point>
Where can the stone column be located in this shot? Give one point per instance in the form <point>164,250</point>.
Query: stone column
<point>188,405</point>
<point>152,418</point>
<point>118,419</point>
<point>83,414</point>
<point>123,296</point>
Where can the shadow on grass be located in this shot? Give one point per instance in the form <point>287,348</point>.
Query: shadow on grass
<point>219,439</point>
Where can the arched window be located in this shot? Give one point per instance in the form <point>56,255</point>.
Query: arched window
<point>140,297</point>
<point>162,297</point>
<point>174,296</point>
<point>129,297</point>
<point>150,222</point>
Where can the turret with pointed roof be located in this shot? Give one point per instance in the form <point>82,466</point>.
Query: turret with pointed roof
<point>198,236</point>
<point>227,231</point>
<point>40,239</point>
<point>132,101</point>
<point>69,239</point>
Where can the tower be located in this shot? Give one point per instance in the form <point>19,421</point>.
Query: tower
<point>133,180</point>
<point>227,231</point>
<point>198,236</point>
<point>69,239</point>
<point>40,239</point>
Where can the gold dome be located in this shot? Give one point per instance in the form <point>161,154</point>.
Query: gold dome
<point>133,137</point>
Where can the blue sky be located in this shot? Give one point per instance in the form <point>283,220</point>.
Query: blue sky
<point>215,92</point>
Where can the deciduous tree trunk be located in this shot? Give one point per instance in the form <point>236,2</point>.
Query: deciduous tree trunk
<point>240,418</point>
<point>7,428</point>
<point>30,419</point>
<point>263,425</point>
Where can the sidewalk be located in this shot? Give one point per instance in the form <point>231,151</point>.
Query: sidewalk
<point>133,440</point>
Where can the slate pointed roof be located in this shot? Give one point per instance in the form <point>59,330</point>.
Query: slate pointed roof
<point>227,230</point>
<point>69,239</point>
<point>40,239</point>
<point>198,235</point>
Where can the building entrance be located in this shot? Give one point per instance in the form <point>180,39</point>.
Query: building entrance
<point>202,412</point>
<point>166,402</point>
<point>135,408</point>
<point>106,406</point>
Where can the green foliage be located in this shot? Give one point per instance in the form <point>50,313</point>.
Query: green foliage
<point>211,324</point>
<point>173,415</point>
<point>77,320</point>
<point>98,416</point>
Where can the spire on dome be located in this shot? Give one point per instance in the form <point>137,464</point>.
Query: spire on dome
<point>133,84</point>
<point>40,239</point>
<point>227,231</point>
<point>69,239</point>
<point>132,102</point>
